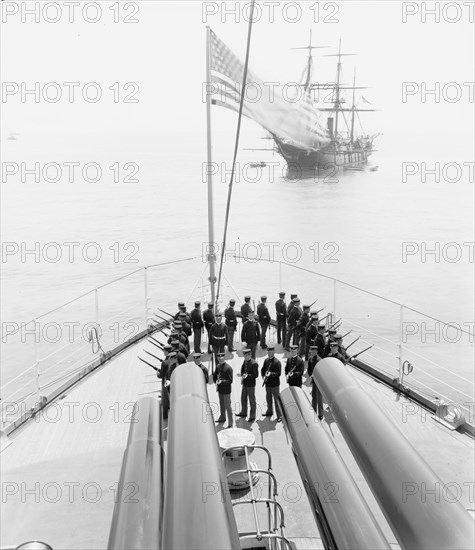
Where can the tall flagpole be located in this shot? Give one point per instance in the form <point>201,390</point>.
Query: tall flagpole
<point>209,175</point>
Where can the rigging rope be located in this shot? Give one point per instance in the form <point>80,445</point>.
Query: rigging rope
<point>236,145</point>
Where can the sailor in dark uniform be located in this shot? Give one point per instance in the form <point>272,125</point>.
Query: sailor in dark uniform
<point>217,334</point>
<point>310,334</point>
<point>341,348</point>
<point>171,364</point>
<point>245,308</point>
<point>209,320</point>
<point>197,325</point>
<point>270,373</point>
<point>181,305</point>
<point>183,347</point>
<point>334,352</point>
<point>331,338</point>
<point>281,317</point>
<point>294,368</point>
<point>162,373</point>
<point>223,378</point>
<point>317,398</point>
<point>186,327</point>
<point>292,301</point>
<point>249,373</point>
<point>198,363</point>
<point>263,316</point>
<point>231,324</point>
<point>182,337</point>
<point>178,348</point>
<point>293,317</point>
<point>320,341</point>
<point>300,328</point>
<point>251,334</point>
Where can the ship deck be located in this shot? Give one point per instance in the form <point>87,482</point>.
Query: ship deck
<point>61,469</point>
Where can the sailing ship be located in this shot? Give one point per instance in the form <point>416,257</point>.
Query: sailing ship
<point>88,460</point>
<point>314,130</point>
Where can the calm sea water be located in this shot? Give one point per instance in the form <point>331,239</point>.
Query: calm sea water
<point>351,226</point>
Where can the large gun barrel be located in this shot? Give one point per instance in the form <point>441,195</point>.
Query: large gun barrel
<point>198,510</point>
<point>137,519</point>
<point>343,516</point>
<point>390,465</point>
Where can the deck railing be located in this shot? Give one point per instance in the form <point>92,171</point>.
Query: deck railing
<point>422,352</point>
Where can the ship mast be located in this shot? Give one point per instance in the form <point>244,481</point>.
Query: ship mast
<point>337,96</point>
<point>308,80</point>
<point>353,108</point>
<point>309,64</point>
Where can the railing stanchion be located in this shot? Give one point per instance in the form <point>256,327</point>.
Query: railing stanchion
<point>37,361</point>
<point>145,280</point>
<point>401,321</point>
<point>96,304</point>
<point>334,297</point>
<point>280,277</point>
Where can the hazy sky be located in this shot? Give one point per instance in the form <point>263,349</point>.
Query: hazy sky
<point>164,54</point>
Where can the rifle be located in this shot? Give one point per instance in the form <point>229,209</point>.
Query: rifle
<point>154,356</point>
<point>156,345</point>
<point>162,318</point>
<point>162,329</point>
<point>147,363</point>
<point>344,335</point>
<point>359,353</point>
<point>323,318</point>
<point>353,342</point>
<point>318,311</point>
<point>266,375</point>
<point>291,373</point>
<point>166,312</point>
<point>334,324</point>
<point>314,302</point>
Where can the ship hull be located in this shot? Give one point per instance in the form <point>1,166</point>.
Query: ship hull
<point>325,158</point>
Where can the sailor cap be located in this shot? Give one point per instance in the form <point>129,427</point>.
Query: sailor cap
<point>338,336</point>
<point>313,348</point>
<point>247,298</point>
<point>196,355</point>
<point>181,304</point>
<point>332,331</point>
<point>282,293</point>
<point>293,347</point>
<point>270,348</point>
<point>263,298</point>
<point>172,354</point>
<point>197,303</point>
<point>296,300</point>
<point>333,344</point>
<point>232,302</point>
<point>221,355</point>
<point>210,304</point>
<point>306,307</point>
<point>175,343</point>
<point>292,296</point>
<point>167,347</point>
<point>246,351</point>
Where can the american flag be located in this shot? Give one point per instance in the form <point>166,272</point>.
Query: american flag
<point>295,122</point>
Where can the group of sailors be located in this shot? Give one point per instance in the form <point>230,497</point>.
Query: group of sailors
<point>298,329</point>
